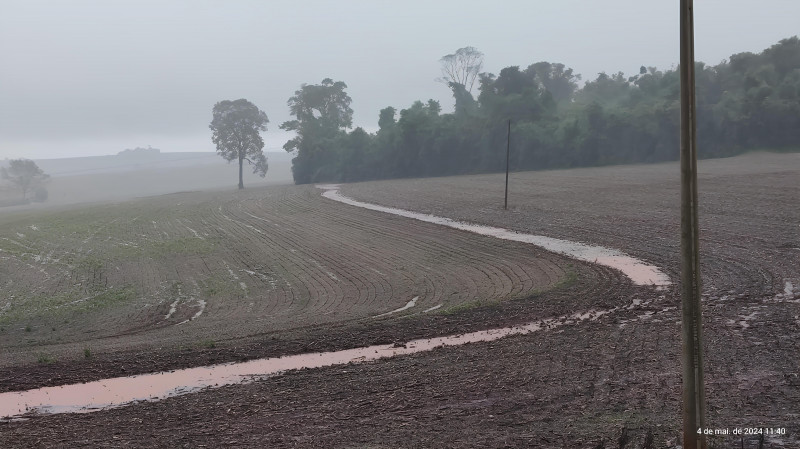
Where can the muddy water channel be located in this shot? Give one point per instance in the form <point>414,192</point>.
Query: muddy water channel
<point>121,391</point>
<point>117,392</point>
<point>638,271</point>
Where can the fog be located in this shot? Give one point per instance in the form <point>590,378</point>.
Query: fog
<point>84,78</point>
<point>99,179</point>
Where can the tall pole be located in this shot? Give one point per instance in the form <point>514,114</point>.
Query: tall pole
<point>694,403</point>
<point>508,151</point>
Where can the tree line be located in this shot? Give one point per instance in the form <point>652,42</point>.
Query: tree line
<point>751,101</point>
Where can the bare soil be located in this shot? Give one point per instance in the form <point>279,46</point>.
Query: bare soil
<point>610,383</point>
<point>190,269</point>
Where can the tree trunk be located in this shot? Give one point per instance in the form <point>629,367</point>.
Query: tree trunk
<point>241,183</point>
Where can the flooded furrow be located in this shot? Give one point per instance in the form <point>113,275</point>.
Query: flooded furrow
<point>640,272</point>
<point>121,391</point>
<point>117,392</point>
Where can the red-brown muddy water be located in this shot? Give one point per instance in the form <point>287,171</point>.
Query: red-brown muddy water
<point>117,392</point>
<point>120,391</point>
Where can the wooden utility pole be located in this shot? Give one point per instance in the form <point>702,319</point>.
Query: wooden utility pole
<point>508,151</point>
<point>694,402</point>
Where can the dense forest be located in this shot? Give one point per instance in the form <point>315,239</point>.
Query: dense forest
<point>751,101</point>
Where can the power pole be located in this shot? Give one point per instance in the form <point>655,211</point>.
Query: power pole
<point>694,402</point>
<point>508,151</point>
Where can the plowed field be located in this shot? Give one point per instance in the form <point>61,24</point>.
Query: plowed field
<point>192,268</point>
<point>282,270</point>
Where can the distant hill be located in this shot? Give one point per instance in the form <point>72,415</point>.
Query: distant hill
<point>141,173</point>
<point>137,159</point>
<point>140,153</point>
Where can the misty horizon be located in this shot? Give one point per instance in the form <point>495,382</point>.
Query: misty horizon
<point>148,74</point>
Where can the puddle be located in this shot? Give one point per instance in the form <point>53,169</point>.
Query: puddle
<point>273,284</point>
<point>202,304</point>
<point>638,271</point>
<point>121,391</point>
<point>172,308</point>
<point>408,305</point>
<point>319,265</point>
<point>195,233</point>
<point>743,320</point>
<point>790,293</point>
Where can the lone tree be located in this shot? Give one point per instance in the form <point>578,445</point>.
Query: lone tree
<point>462,67</point>
<point>323,112</point>
<point>235,131</point>
<point>25,174</point>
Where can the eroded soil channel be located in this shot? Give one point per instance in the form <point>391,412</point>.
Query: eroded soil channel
<point>116,392</point>
<point>638,271</point>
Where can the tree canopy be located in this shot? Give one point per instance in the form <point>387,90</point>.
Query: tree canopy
<point>236,127</point>
<point>751,101</point>
<point>322,112</point>
<point>462,67</point>
<point>25,174</point>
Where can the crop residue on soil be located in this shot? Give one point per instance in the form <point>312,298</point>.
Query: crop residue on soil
<point>638,271</point>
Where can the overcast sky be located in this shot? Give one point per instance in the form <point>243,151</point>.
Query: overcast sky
<point>81,78</point>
